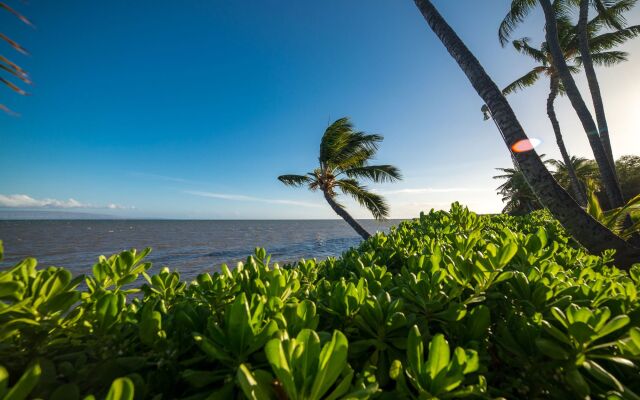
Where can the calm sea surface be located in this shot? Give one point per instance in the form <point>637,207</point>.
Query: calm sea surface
<point>188,246</point>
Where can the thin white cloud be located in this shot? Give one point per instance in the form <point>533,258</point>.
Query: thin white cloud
<point>162,178</point>
<point>112,206</point>
<point>25,201</point>
<point>240,197</point>
<point>431,190</point>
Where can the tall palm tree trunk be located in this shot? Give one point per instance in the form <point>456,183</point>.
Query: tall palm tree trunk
<point>609,181</point>
<point>586,230</point>
<point>578,189</point>
<point>592,79</point>
<point>345,215</point>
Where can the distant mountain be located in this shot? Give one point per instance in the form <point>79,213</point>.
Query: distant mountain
<point>24,214</point>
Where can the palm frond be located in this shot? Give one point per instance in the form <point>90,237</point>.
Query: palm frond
<point>564,8</point>
<point>517,13</point>
<point>359,148</point>
<point>335,138</point>
<point>341,146</point>
<point>13,87</point>
<point>376,173</point>
<point>375,203</point>
<point>17,14</point>
<point>295,180</point>
<point>13,44</point>
<point>610,40</point>
<point>611,13</point>
<point>524,81</point>
<point>12,65</point>
<point>8,111</point>
<point>23,77</point>
<point>566,33</point>
<point>523,46</point>
<point>607,58</point>
<point>574,69</point>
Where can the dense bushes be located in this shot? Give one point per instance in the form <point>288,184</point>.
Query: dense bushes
<point>448,305</point>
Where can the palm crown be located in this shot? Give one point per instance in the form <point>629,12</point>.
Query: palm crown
<point>343,163</point>
<point>585,169</point>
<point>599,45</point>
<point>610,15</point>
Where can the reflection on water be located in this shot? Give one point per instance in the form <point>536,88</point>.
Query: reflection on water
<point>189,246</point>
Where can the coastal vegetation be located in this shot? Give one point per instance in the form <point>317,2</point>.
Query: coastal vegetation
<point>447,305</point>
<point>344,162</point>
<point>540,302</point>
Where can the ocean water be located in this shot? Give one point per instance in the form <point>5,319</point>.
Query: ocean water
<point>191,247</point>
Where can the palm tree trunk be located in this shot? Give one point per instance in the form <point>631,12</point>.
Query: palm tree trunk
<point>345,215</point>
<point>578,189</point>
<point>592,79</point>
<point>586,230</point>
<point>609,181</point>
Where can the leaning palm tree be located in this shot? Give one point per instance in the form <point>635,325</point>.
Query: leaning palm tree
<point>574,218</point>
<point>601,55</point>
<point>344,158</point>
<point>8,66</point>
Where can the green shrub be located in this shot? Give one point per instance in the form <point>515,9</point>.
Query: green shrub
<point>447,305</point>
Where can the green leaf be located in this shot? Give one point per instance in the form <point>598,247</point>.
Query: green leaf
<point>415,350</point>
<point>68,391</point>
<point>556,333</point>
<point>634,335</point>
<point>439,355</point>
<point>576,381</point>
<point>59,303</point>
<point>613,325</point>
<point>551,349</point>
<point>25,384</point>
<point>582,332</point>
<point>602,375</point>
<point>506,254</point>
<point>395,370</point>
<point>542,235</point>
<point>250,386</point>
<point>506,275</point>
<point>239,323</point>
<point>150,325</point>
<point>12,289</point>
<point>211,349</point>
<point>306,360</point>
<point>121,389</point>
<point>107,309</point>
<point>479,320</point>
<point>4,381</point>
<point>280,365</point>
<point>333,359</point>
<point>560,316</point>
<point>342,387</point>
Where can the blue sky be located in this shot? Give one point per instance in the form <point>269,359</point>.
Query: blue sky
<point>192,109</point>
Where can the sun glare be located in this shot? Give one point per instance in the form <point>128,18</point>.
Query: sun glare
<point>524,145</point>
